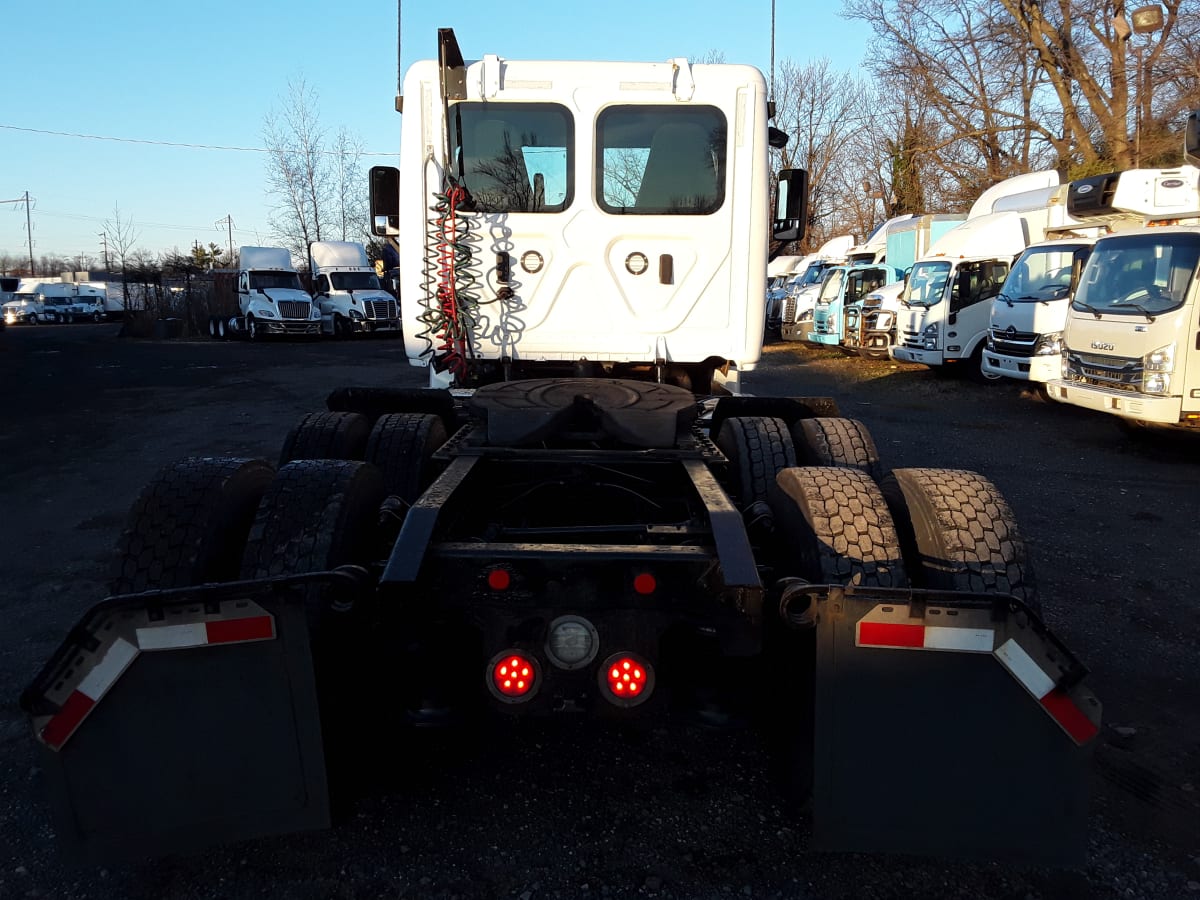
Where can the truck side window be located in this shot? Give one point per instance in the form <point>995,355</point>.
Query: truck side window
<point>323,284</point>
<point>660,160</point>
<point>514,157</point>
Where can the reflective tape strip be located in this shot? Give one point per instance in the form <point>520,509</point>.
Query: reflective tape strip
<point>922,637</point>
<point>201,634</point>
<point>91,688</point>
<point>1014,658</point>
<point>1056,702</point>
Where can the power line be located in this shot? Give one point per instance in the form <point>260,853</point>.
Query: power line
<point>154,143</point>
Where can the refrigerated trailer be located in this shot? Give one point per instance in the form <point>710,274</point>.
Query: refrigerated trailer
<point>581,518</point>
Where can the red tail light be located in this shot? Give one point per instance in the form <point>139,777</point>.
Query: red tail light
<point>627,679</point>
<point>645,583</point>
<point>499,579</point>
<point>514,676</point>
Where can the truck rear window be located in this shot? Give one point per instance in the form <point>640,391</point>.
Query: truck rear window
<point>514,157</point>
<point>660,160</point>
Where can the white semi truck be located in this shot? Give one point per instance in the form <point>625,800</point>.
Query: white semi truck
<point>271,299</point>
<point>346,288</point>
<point>947,300</point>
<point>591,523</point>
<point>1130,346</point>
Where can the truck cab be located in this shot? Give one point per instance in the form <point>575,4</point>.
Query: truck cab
<point>806,286</point>
<point>1024,339</point>
<point>24,308</point>
<point>1129,345</point>
<point>347,290</point>
<point>271,299</point>
<point>946,302</point>
<point>842,292</point>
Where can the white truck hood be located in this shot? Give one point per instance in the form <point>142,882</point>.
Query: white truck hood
<point>1029,316</point>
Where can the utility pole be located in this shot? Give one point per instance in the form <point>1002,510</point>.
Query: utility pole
<point>228,221</point>
<point>104,239</point>
<point>29,234</point>
<point>28,226</point>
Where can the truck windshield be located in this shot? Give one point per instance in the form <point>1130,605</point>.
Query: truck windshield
<point>926,284</point>
<point>355,281</point>
<point>831,289</point>
<point>1043,273</point>
<point>275,280</point>
<point>1139,275</point>
<point>661,160</point>
<point>514,157</point>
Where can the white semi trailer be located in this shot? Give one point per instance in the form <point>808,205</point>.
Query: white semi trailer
<point>591,523</point>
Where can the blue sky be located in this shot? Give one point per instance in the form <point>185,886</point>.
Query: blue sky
<point>209,74</point>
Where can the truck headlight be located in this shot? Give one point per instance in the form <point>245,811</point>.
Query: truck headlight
<point>1160,360</point>
<point>266,313</point>
<point>356,314</point>
<point>1156,383</point>
<point>316,313</point>
<point>806,316</point>
<point>1048,344</point>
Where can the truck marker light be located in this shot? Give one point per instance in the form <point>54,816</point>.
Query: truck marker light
<point>645,583</point>
<point>628,679</point>
<point>499,579</point>
<point>514,677</point>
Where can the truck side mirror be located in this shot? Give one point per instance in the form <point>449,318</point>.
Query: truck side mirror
<point>791,206</point>
<point>385,201</point>
<point>1191,138</point>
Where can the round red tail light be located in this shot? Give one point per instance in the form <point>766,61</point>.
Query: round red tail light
<point>513,676</point>
<point>627,679</point>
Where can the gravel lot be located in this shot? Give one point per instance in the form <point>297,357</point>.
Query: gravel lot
<point>579,810</point>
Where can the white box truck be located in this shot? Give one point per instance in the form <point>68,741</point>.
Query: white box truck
<point>946,304</point>
<point>1130,345</point>
<point>1029,315</point>
<point>347,290</point>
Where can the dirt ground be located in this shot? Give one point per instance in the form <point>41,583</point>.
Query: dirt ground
<point>584,811</point>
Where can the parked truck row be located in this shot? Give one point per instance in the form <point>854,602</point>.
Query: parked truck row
<point>346,296</point>
<point>28,301</point>
<point>1014,290</point>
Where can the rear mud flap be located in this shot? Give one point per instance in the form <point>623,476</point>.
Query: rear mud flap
<point>948,725</point>
<point>188,719</point>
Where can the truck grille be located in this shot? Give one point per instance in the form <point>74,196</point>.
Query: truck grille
<point>380,309</point>
<point>1104,371</point>
<point>294,309</point>
<point>789,309</point>
<point>911,339</point>
<point>1013,343</point>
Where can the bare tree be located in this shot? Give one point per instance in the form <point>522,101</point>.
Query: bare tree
<point>297,172</point>
<point>122,236</point>
<point>349,187</point>
<point>821,109</point>
<point>1019,84</point>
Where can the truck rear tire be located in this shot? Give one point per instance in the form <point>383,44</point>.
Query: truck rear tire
<point>317,514</point>
<point>189,524</point>
<point>836,521</point>
<point>402,446</point>
<point>758,449</point>
<point>831,441</point>
<point>327,435</point>
<point>958,533</point>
